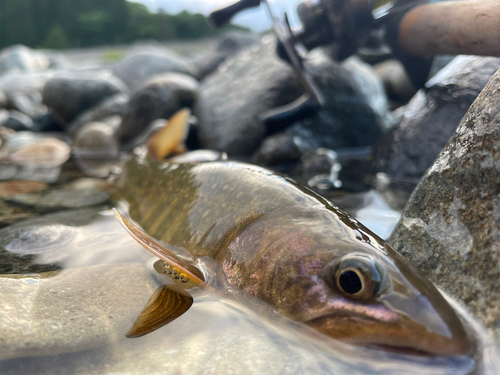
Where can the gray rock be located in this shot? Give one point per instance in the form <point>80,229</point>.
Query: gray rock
<point>57,200</point>
<point>20,58</point>
<point>96,148</point>
<point>72,94</point>
<point>450,228</point>
<point>114,106</point>
<point>356,112</point>
<point>74,310</point>
<point>229,45</point>
<point>29,102</point>
<point>276,150</point>
<point>233,98</point>
<point>160,98</point>
<point>12,84</point>
<point>15,120</point>
<point>431,117</point>
<point>139,68</point>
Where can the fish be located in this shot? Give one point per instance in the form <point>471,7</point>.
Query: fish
<point>278,241</point>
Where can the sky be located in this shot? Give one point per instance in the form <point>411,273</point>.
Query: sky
<point>257,19</point>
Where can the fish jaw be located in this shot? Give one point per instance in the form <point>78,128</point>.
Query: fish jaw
<point>392,331</point>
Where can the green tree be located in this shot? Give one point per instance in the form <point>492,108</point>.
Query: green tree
<point>56,39</point>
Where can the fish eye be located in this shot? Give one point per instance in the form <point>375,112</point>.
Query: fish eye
<point>357,276</point>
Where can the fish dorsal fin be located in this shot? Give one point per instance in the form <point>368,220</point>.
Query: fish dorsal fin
<point>164,306</point>
<point>184,272</point>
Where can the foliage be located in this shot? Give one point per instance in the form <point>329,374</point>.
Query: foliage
<point>81,23</point>
<point>56,39</point>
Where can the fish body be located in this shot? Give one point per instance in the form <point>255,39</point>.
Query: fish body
<point>284,244</point>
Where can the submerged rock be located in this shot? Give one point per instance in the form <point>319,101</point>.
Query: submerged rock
<point>57,200</point>
<point>114,106</point>
<point>73,310</point>
<point>256,80</point>
<point>139,68</point>
<point>431,117</point>
<point>10,188</point>
<point>160,98</point>
<point>450,228</point>
<point>71,95</point>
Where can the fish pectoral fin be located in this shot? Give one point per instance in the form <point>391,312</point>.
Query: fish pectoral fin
<point>183,271</point>
<point>164,306</point>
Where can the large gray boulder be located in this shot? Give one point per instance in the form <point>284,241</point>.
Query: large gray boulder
<point>160,98</point>
<point>139,68</point>
<point>430,119</point>
<point>256,80</point>
<point>450,228</point>
<point>71,94</point>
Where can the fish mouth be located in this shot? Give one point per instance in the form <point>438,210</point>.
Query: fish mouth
<point>401,336</point>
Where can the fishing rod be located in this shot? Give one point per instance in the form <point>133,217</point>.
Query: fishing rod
<point>413,30</point>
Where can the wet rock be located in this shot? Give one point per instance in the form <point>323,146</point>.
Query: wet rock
<point>160,98</point>
<point>20,58</point>
<point>356,165</point>
<point>319,170</point>
<point>233,98</point>
<point>74,310</point>
<point>139,68</point>
<point>61,199</point>
<point>47,123</point>
<point>10,188</point>
<point>15,120</point>
<point>44,153</point>
<point>96,148</point>
<point>10,215</point>
<point>277,150</point>
<point>114,106</point>
<point>69,96</point>
<point>29,233</point>
<point>229,45</point>
<point>450,228</point>
<point>29,102</point>
<point>431,117</point>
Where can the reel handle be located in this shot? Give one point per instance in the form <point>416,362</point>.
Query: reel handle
<point>223,16</point>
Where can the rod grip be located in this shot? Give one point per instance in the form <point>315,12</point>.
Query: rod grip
<point>451,28</point>
<point>223,16</point>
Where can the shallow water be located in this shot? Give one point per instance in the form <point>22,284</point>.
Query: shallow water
<point>74,320</point>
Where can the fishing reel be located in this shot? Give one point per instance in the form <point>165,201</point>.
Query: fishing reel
<point>340,25</point>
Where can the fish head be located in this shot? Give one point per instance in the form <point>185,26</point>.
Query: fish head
<point>378,299</point>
